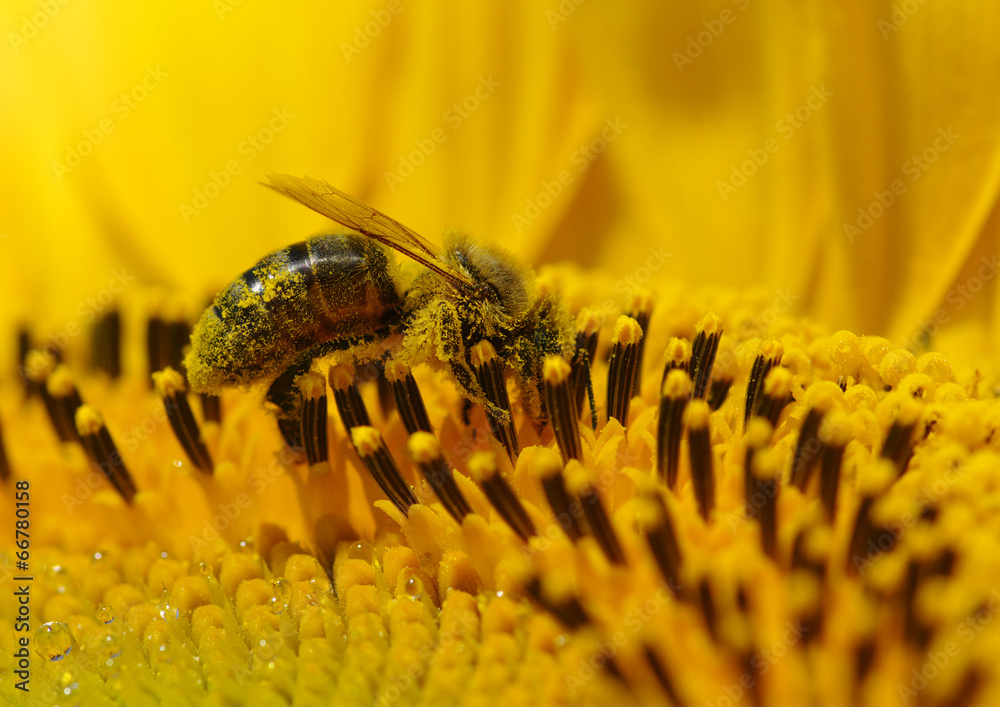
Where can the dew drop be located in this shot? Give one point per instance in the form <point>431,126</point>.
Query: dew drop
<point>360,551</point>
<point>414,588</point>
<point>110,646</point>
<point>105,614</point>
<point>53,641</point>
<point>247,544</point>
<point>281,591</point>
<point>167,606</point>
<point>206,570</point>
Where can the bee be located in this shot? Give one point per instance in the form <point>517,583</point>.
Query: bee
<point>342,295</point>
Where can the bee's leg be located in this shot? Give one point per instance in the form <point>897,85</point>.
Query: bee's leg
<point>584,358</point>
<point>287,397</point>
<point>490,380</point>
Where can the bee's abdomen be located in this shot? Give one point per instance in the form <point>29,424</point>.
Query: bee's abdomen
<point>324,289</point>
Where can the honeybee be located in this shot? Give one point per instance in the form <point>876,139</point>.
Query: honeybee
<point>343,295</point>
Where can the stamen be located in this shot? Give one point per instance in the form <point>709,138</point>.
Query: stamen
<point>106,343</point>
<point>898,446</point>
<point>777,393</point>
<point>581,485</point>
<point>770,354</point>
<point>483,468</point>
<point>176,335</point>
<point>820,398</point>
<point>834,434</point>
<point>622,367</point>
<point>703,350</point>
<point>4,463</point>
<point>870,487</point>
<point>426,452</point>
<point>662,540</point>
<point>65,397</point>
<point>588,326</point>
<point>640,308</point>
<point>155,337</point>
<point>548,467</point>
<point>758,437</point>
<point>708,608</point>
<point>764,499</point>
<point>558,397</point>
<point>39,365</point>
<point>170,386</point>
<point>700,444</point>
<point>102,452</point>
<point>386,399</point>
<point>380,464</point>
<point>345,394</point>
<point>673,401</point>
<point>312,386</point>
<point>662,676</point>
<point>409,402</point>
<point>676,355</point>
<point>559,602</point>
<point>23,349</point>
<point>211,407</point>
<point>724,372</point>
<point>489,373</point>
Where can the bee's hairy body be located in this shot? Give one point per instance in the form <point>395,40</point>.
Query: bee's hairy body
<point>343,293</point>
<point>330,288</point>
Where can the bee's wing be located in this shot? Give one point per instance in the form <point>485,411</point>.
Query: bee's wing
<point>359,216</point>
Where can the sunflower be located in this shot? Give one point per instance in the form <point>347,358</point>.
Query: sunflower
<point>753,506</point>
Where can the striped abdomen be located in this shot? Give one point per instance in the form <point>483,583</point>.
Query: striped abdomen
<point>328,288</point>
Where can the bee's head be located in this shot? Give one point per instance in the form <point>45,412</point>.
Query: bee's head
<point>502,283</point>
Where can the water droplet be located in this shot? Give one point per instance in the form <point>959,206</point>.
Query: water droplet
<point>206,570</point>
<point>110,646</point>
<point>105,614</point>
<point>281,591</point>
<point>97,556</point>
<point>247,545</point>
<point>167,606</point>
<point>499,594</point>
<point>560,640</point>
<point>360,551</point>
<point>53,641</point>
<point>414,588</point>
<point>164,554</point>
